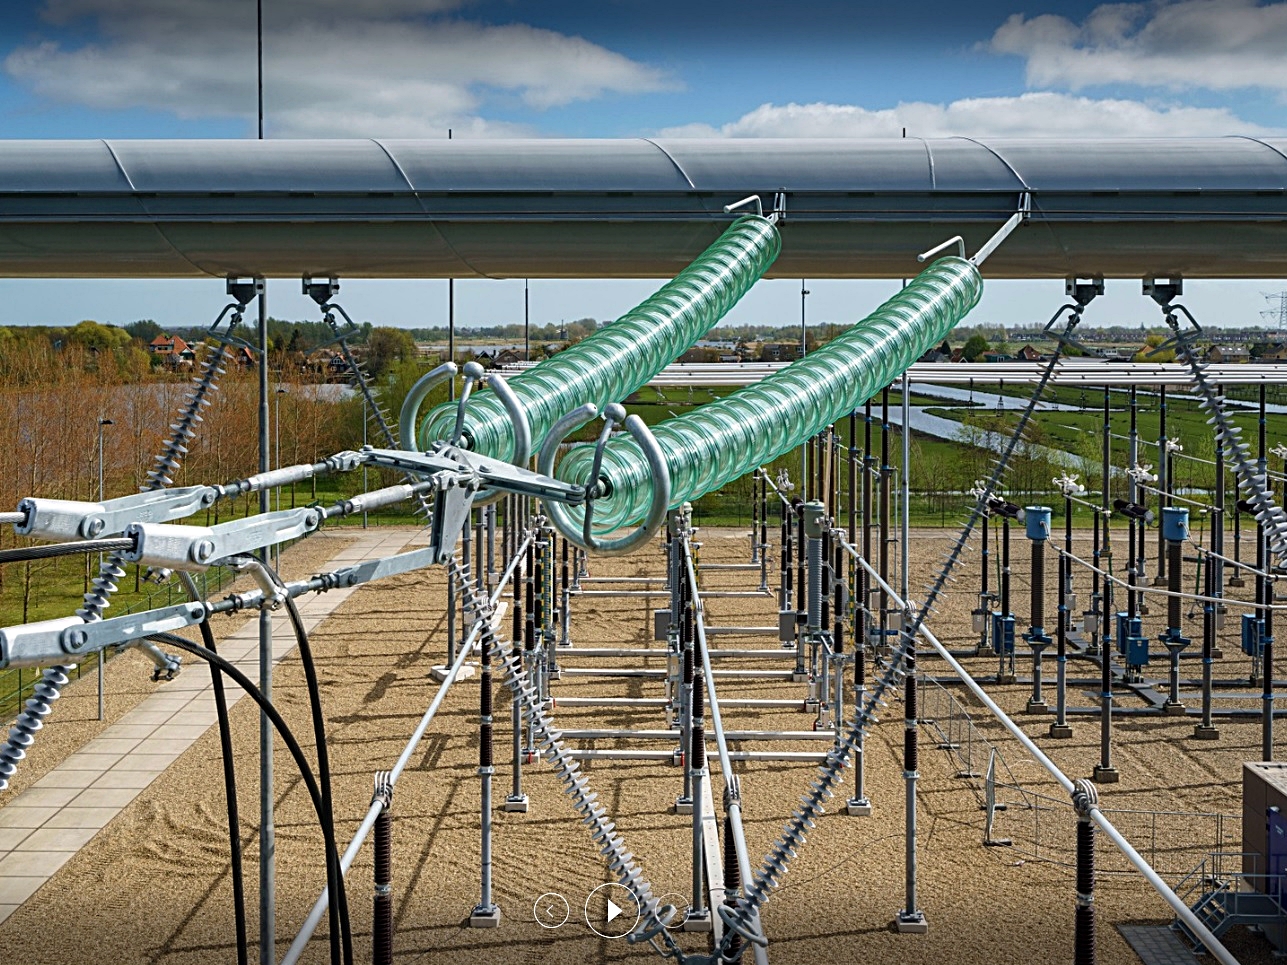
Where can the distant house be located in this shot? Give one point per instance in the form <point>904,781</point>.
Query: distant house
<point>166,345</point>
<point>1274,352</point>
<point>1029,354</point>
<point>1228,353</point>
<point>941,353</point>
<point>991,356</point>
<point>779,351</point>
<point>509,356</point>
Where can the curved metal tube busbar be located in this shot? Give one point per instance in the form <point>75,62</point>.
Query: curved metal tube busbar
<point>723,440</point>
<point>637,208</point>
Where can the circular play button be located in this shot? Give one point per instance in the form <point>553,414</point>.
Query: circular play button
<point>611,911</point>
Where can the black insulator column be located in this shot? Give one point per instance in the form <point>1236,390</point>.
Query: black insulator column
<point>732,888</point>
<point>1104,772</point>
<point>910,918</point>
<point>1084,922</point>
<point>382,909</point>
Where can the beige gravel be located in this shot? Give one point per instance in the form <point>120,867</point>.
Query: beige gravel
<point>154,885</point>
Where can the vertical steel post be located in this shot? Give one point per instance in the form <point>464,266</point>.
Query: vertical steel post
<point>1104,772</point>
<point>1175,528</point>
<point>886,470</point>
<point>1060,728</point>
<point>1266,597</point>
<point>516,800</point>
<point>910,919</point>
<point>1163,485</point>
<point>486,914</point>
<point>267,828</point>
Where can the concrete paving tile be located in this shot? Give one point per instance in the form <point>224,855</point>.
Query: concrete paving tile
<point>54,839</point>
<point>105,797</point>
<point>60,778</point>
<point>11,837</point>
<point>110,745</point>
<point>124,779</point>
<point>53,797</point>
<point>6,911</point>
<point>146,716</point>
<point>185,732</point>
<point>135,732</point>
<point>15,890</point>
<point>163,743</point>
<point>82,817</point>
<point>33,864</point>
<point>17,816</point>
<point>80,761</point>
<point>145,763</point>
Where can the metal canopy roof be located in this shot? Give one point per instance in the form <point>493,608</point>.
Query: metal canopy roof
<point>1067,372</point>
<point>1207,207</point>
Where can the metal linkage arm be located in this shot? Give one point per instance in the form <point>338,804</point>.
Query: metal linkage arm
<point>70,638</point>
<point>197,548</point>
<point>68,519</point>
<point>473,467</point>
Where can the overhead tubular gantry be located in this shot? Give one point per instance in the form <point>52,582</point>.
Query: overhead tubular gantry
<point>1193,207</point>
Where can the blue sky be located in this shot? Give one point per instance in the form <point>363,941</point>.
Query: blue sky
<point>622,68</point>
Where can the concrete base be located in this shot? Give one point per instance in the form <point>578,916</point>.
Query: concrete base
<point>683,805</point>
<point>482,917</point>
<point>1037,707</point>
<point>1235,581</point>
<point>697,922</point>
<point>1104,775</point>
<point>1060,731</point>
<point>858,807</point>
<point>1217,653</point>
<point>1160,581</point>
<point>912,923</point>
<point>799,678</point>
<point>1202,733</point>
<point>439,673</point>
<point>555,674</point>
<point>1005,678</point>
<point>515,804</point>
<point>1176,709</point>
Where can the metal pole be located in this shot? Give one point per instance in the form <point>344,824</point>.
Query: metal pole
<point>885,471</point>
<point>267,830</point>
<point>1265,596</point>
<point>910,919</point>
<point>1060,728</point>
<point>903,553</point>
<point>102,709</point>
<point>804,348</point>
<point>1104,772</point>
<point>485,914</point>
<point>1163,485</point>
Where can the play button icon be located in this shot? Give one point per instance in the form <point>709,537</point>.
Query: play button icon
<point>611,911</point>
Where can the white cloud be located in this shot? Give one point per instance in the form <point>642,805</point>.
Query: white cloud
<point>1192,44</point>
<point>392,68</point>
<point>1037,114</point>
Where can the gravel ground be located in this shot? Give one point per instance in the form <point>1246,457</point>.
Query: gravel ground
<point>154,886</point>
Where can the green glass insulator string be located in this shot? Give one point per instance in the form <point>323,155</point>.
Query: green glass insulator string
<point>622,356</point>
<point>726,439</point>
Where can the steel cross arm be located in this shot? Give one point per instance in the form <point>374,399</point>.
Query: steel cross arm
<point>69,519</point>
<point>55,641</point>
<point>488,472</point>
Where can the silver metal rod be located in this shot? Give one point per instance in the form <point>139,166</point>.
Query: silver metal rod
<point>797,757</point>
<point>267,830</point>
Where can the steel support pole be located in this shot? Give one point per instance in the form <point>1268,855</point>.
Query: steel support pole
<point>886,470</point>
<point>911,920</point>
<point>267,828</point>
<point>1265,597</point>
<point>1060,728</point>
<point>1163,485</point>
<point>1104,772</point>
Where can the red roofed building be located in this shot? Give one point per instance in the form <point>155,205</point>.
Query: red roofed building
<point>168,345</point>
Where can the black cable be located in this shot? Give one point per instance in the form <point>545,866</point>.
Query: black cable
<point>338,910</point>
<point>279,724</point>
<point>48,551</point>
<point>230,795</point>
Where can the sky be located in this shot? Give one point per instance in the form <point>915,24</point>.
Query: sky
<point>631,68</point>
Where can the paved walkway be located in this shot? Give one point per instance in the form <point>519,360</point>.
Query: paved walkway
<point>41,828</point>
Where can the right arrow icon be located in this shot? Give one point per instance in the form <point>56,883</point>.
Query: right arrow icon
<point>613,909</point>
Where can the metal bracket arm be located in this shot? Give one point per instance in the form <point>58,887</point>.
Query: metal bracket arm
<point>50,641</point>
<point>197,548</point>
<point>66,519</point>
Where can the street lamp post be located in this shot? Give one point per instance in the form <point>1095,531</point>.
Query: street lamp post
<point>102,423</point>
